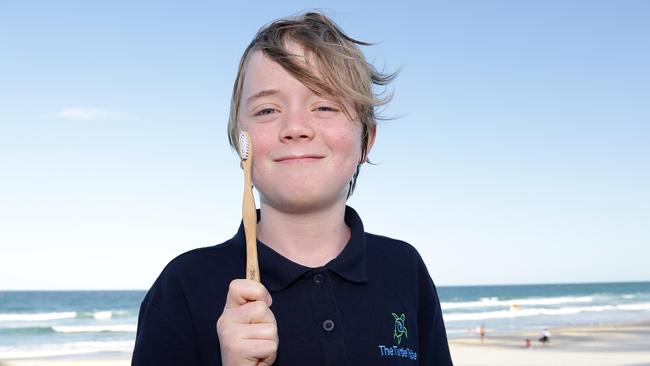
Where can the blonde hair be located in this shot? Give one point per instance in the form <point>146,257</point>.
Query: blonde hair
<point>344,73</point>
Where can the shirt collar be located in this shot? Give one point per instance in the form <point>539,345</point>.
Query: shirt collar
<point>278,272</point>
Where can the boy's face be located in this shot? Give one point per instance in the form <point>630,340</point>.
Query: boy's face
<point>305,149</point>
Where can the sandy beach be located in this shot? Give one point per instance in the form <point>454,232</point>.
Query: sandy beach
<point>606,345</point>
<point>81,360</point>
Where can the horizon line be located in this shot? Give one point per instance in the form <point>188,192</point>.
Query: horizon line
<point>437,286</point>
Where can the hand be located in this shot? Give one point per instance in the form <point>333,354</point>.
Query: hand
<point>248,333</point>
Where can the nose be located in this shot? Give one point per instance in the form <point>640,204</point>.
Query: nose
<point>296,127</point>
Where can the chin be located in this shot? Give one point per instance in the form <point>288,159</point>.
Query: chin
<point>304,202</point>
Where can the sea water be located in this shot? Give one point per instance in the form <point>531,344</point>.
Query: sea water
<point>57,323</point>
<point>516,308</point>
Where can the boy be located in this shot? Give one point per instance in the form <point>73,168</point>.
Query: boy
<point>331,294</point>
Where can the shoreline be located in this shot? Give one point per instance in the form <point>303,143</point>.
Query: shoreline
<point>622,344</point>
<point>90,359</point>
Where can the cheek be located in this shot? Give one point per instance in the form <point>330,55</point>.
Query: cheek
<point>348,145</point>
<point>261,145</point>
<point>264,142</point>
<point>260,138</point>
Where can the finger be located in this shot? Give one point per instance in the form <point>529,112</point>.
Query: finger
<point>242,332</point>
<point>251,350</point>
<point>262,350</point>
<point>251,312</point>
<point>242,291</point>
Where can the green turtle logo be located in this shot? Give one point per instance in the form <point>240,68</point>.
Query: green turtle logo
<point>400,328</point>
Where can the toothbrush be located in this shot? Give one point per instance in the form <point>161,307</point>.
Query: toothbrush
<point>249,214</point>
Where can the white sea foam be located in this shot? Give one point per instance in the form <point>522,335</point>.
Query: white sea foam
<point>65,349</point>
<point>36,317</point>
<point>528,312</point>
<point>630,296</point>
<point>495,302</point>
<point>95,328</point>
<point>489,299</point>
<point>639,306</point>
<point>103,315</point>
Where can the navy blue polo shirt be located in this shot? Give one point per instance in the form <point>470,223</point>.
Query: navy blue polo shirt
<point>374,304</point>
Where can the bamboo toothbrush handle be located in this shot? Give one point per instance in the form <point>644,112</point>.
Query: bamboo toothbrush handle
<point>249,216</point>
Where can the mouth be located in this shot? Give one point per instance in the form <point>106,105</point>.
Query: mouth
<point>298,158</point>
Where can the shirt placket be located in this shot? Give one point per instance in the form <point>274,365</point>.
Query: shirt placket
<point>327,318</point>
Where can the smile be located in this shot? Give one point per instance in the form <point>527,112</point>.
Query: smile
<point>298,158</point>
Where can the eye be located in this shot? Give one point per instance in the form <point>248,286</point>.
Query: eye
<point>326,108</point>
<point>265,112</point>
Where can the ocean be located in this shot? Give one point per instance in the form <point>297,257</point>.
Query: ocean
<point>516,308</point>
<point>58,323</point>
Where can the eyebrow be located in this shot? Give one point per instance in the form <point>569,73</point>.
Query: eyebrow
<point>262,93</point>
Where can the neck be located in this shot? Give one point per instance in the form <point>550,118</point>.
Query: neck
<point>310,239</point>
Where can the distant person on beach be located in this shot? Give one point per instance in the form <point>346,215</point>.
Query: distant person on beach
<point>481,331</point>
<point>330,293</point>
<point>546,336</point>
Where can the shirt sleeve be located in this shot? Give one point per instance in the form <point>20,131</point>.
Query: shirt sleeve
<point>165,334</point>
<point>434,349</point>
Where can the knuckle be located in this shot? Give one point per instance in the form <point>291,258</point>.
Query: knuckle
<point>225,334</point>
<point>229,347</point>
<point>272,317</point>
<point>234,284</point>
<point>271,348</point>
<point>224,319</point>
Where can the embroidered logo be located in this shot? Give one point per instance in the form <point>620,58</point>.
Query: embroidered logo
<point>400,327</point>
<point>398,351</point>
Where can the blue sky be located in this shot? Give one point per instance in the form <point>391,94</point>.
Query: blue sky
<point>522,153</point>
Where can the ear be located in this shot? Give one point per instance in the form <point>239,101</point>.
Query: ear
<point>371,137</point>
<point>372,133</point>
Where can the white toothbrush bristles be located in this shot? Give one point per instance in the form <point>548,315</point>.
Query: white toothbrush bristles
<point>244,146</point>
